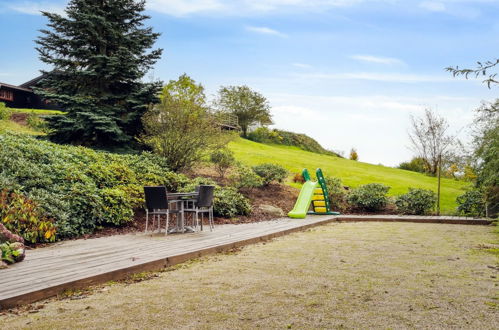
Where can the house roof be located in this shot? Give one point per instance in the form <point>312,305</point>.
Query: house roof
<point>15,87</point>
<point>33,81</point>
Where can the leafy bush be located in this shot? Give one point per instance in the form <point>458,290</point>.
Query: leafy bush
<point>245,177</point>
<point>223,160</point>
<point>416,201</point>
<point>23,217</point>
<point>78,187</point>
<point>270,173</point>
<point>417,164</point>
<point>337,194</point>
<point>229,203</point>
<point>11,252</point>
<point>275,136</point>
<point>369,197</point>
<point>471,203</point>
<point>298,178</point>
<point>35,122</point>
<point>4,112</point>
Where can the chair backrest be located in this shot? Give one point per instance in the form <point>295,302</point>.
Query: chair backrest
<point>205,197</point>
<point>197,189</point>
<point>156,198</point>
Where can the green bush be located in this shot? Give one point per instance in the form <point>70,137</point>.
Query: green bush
<point>78,187</point>
<point>275,136</point>
<point>337,194</point>
<point>4,112</point>
<point>223,160</point>
<point>229,203</point>
<point>270,173</point>
<point>36,123</point>
<point>245,177</point>
<point>416,201</point>
<point>471,203</point>
<point>370,197</point>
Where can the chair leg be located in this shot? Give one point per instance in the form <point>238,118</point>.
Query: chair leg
<point>147,219</point>
<point>167,221</point>
<point>210,215</point>
<point>202,219</point>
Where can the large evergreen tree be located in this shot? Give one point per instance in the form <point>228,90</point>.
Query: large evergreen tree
<point>98,54</point>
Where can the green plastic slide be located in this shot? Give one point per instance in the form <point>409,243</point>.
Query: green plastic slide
<point>303,202</point>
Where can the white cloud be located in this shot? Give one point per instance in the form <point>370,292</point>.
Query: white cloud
<point>433,6</point>
<point>186,7</point>
<point>35,8</point>
<point>302,65</point>
<point>265,30</point>
<point>377,59</point>
<point>383,77</point>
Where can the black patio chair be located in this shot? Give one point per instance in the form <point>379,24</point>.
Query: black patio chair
<point>203,204</point>
<point>157,205</point>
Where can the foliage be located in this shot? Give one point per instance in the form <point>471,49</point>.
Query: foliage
<point>429,139</point>
<point>298,178</point>
<point>482,70</point>
<point>276,136</point>
<point>223,160</point>
<point>486,151</point>
<point>181,128</point>
<point>24,217</point>
<point>78,187</point>
<point>228,203</point>
<point>11,252</point>
<point>351,173</point>
<point>249,106</point>
<point>4,112</point>
<point>337,194</point>
<point>270,172</point>
<point>416,201</point>
<point>354,155</point>
<point>245,177</point>
<point>416,164</point>
<point>471,203</point>
<point>369,197</point>
<point>98,54</point>
<point>36,123</point>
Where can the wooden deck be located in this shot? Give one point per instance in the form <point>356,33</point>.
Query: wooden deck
<point>76,264</point>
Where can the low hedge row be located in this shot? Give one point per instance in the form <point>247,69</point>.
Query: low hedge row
<point>81,189</point>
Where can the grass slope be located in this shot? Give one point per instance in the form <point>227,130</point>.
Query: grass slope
<point>352,173</point>
<point>10,126</point>
<point>36,111</point>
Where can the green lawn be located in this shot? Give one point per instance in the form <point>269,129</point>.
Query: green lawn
<point>10,126</point>
<point>352,173</point>
<point>37,111</point>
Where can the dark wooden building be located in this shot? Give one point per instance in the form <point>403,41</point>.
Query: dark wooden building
<point>23,96</point>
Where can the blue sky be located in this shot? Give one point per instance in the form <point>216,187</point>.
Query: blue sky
<point>346,72</point>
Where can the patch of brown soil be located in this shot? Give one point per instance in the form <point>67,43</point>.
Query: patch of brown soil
<point>19,118</point>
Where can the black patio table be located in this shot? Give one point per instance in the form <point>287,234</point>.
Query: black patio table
<point>180,199</point>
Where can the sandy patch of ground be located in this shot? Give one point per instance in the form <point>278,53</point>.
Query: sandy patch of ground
<point>348,275</point>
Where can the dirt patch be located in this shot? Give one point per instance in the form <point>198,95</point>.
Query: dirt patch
<point>19,118</point>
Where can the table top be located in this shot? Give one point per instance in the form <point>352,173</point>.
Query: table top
<point>182,194</point>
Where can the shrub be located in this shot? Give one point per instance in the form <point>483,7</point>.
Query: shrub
<point>471,203</point>
<point>270,173</point>
<point>416,164</point>
<point>229,203</point>
<point>337,194</point>
<point>245,177</point>
<point>35,122</point>
<point>23,217</point>
<point>4,112</point>
<point>353,154</point>
<point>223,160</point>
<point>78,187</point>
<point>298,178</point>
<point>416,201</point>
<point>369,197</point>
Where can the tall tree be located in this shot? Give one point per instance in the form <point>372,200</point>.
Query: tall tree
<point>181,128</point>
<point>98,54</point>
<point>430,139</point>
<point>249,106</point>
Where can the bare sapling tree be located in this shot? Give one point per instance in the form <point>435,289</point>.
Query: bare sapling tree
<point>431,141</point>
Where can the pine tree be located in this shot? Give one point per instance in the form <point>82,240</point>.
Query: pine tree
<point>99,55</point>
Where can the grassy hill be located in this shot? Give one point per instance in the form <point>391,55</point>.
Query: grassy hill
<point>352,173</point>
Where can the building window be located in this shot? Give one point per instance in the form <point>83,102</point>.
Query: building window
<point>6,95</point>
